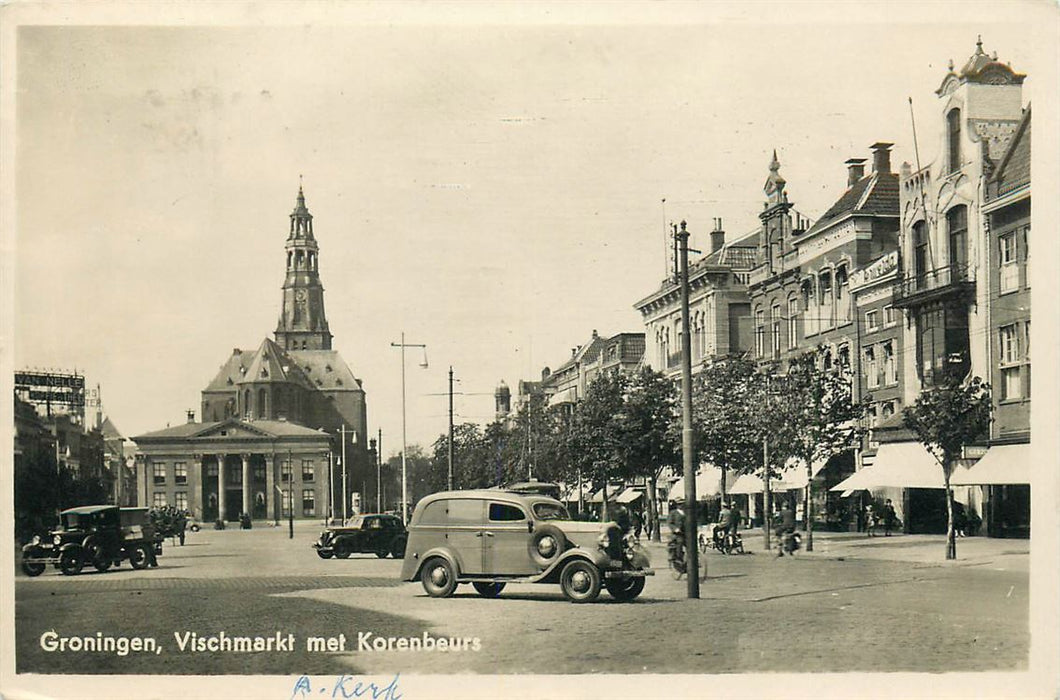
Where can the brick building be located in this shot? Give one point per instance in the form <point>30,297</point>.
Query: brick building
<point>276,419</point>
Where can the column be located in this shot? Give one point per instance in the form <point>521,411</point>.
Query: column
<point>248,506</point>
<point>196,487</point>
<point>270,486</point>
<point>221,487</point>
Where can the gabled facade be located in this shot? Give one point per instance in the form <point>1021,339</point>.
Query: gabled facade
<point>282,414</point>
<point>719,311</point>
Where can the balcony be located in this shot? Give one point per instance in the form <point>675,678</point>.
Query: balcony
<point>952,280</point>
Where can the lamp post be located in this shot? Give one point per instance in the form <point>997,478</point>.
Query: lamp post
<point>379,473</point>
<point>691,550</point>
<point>404,438</point>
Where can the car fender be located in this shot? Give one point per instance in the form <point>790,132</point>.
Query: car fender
<point>595,557</point>
<point>442,552</point>
<point>70,545</point>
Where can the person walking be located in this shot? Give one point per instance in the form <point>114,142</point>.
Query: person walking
<point>870,521</point>
<point>888,518</point>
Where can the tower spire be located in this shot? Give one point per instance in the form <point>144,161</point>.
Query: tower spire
<point>302,324</point>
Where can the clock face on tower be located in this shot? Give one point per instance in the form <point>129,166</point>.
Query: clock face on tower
<point>300,295</point>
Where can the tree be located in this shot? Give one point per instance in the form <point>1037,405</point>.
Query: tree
<point>821,414</point>
<point>945,419</point>
<point>596,432</point>
<point>725,396</point>
<point>651,434</point>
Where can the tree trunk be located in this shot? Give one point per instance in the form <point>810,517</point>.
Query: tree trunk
<point>951,535</point>
<point>767,517</point>
<point>603,507</point>
<point>809,506</point>
<point>653,511</point>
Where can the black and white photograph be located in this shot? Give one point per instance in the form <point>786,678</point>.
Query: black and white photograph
<point>397,350</point>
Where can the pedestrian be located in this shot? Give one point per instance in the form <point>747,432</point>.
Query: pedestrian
<point>870,521</point>
<point>784,526</point>
<point>638,524</point>
<point>888,518</point>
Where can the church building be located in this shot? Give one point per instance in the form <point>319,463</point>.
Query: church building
<point>277,419</point>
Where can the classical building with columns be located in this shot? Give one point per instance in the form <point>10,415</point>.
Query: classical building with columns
<point>277,420</point>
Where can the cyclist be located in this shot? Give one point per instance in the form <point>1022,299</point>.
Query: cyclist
<point>724,526</point>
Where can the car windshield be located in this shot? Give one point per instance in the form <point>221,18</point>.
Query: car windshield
<point>550,511</point>
<point>356,522</point>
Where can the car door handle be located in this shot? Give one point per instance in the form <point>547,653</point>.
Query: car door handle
<point>487,533</point>
<point>478,534</point>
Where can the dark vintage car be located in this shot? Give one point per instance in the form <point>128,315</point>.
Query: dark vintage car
<point>366,534</point>
<point>490,538</point>
<point>100,536</point>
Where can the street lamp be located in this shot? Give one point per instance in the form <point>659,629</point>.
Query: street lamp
<point>404,446</point>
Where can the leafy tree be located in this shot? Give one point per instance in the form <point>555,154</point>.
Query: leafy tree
<point>596,432</point>
<point>945,419</point>
<point>651,433</point>
<point>725,402</point>
<point>821,416</point>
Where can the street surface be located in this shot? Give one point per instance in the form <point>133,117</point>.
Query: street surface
<point>855,604</point>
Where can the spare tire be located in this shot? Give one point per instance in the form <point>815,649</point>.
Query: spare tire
<point>546,544</point>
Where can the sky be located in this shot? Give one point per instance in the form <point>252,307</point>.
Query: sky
<point>491,188</point>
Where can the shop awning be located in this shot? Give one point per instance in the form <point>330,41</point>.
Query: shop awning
<point>629,495</point>
<point>898,464</point>
<point>708,483</point>
<point>1002,464</point>
<point>792,477</point>
<point>572,495</point>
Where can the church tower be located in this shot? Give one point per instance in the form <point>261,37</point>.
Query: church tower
<point>302,324</point>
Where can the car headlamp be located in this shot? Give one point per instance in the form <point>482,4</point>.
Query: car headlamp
<point>57,540</point>
<point>35,540</point>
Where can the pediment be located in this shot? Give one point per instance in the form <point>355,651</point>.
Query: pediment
<point>233,429</point>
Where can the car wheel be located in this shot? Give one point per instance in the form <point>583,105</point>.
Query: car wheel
<point>101,563</point>
<point>194,528</point>
<point>342,550</point>
<point>397,547</point>
<point>546,544</point>
<point>323,555</point>
<point>70,562</point>
<point>438,578</point>
<point>382,552</point>
<point>138,557</point>
<point>488,590</point>
<point>580,581</point>
<point>625,590</point>
<point>32,568</point>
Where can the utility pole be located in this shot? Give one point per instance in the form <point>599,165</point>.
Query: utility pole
<point>449,482</point>
<point>404,424</point>
<point>379,473</point>
<point>345,493</point>
<point>691,530</point>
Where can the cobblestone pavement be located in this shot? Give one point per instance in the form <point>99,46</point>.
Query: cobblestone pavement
<point>849,606</point>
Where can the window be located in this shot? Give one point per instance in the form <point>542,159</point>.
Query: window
<point>957,226</point>
<point>872,320</point>
<point>1010,275</point>
<point>259,472</point>
<point>180,472</point>
<point>159,471</point>
<point>871,415</point>
<point>502,512</point>
<point>774,321</point>
<point>1010,345</point>
<point>793,319</point>
<point>888,316</point>
<point>843,356</point>
<point>308,502</point>
<point>827,302</point>
<point>888,410</point>
<point>180,499</point>
<point>235,474</point>
<point>953,139</point>
<point>760,332</point>
<point>920,250</point>
<point>465,511</point>
<point>285,471</point>
<point>285,502</point>
<point>872,373</point>
<point>842,296</point>
<point>307,470</point>
<point>809,320</point>
<point>890,367</point>
<point>211,470</point>
<point>158,499</point>
<point>1011,383</point>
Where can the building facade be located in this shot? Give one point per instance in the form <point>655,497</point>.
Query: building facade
<point>278,421</point>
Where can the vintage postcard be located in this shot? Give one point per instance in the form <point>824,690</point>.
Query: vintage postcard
<point>396,350</point>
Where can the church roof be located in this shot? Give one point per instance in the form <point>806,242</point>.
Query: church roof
<point>109,430</point>
<point>325,369</point>
<point>269,363</point>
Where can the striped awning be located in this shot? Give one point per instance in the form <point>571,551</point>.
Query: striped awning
<point>1002,464</point>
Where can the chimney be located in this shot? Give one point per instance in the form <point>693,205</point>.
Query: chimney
<point>717,237</point>
<point>881,157</point>
<point>191,416</point>
<point>595,336</point>
<point>855,170</point>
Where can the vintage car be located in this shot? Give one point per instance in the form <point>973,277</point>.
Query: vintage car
<point>367,534</point>
<point>490,538</point>
<point>102,536</point>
